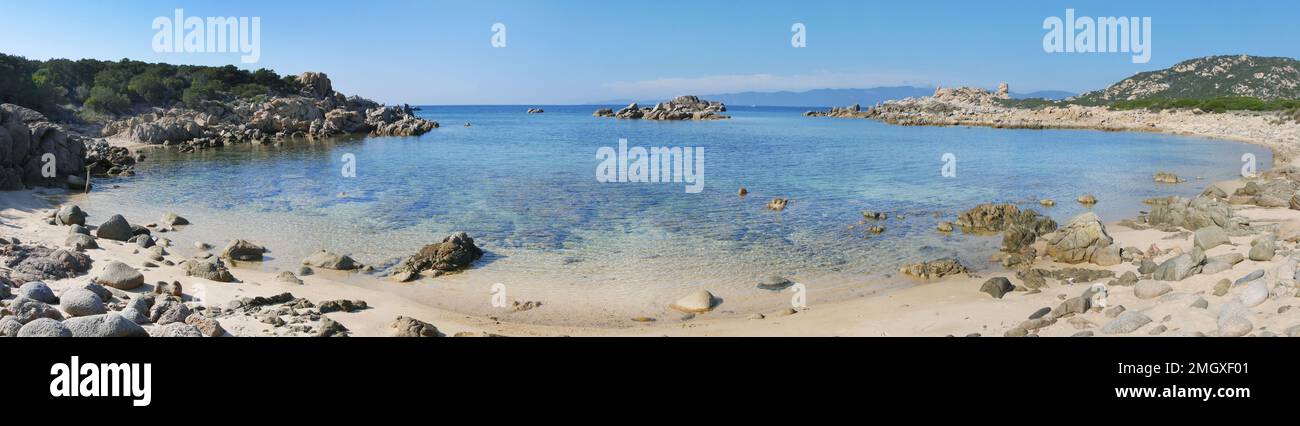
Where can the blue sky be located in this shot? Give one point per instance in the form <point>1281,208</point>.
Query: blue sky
<point>440,52</point>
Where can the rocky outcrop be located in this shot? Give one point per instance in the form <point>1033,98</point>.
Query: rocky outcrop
<point>1019,228</point>
<point>680,108</point>
<point>851,111</point>
<point>1202,211</point>
<point>318,111</point>
<point>28,141</point>
<point>455,252</point>
<point>1084,239</point>
<point>41,263</point>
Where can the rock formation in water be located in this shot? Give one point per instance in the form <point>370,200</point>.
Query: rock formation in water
<point>680,108</point>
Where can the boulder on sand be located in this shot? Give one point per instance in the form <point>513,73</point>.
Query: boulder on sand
<point>1210,237</point>
<point>997,287</point>
<point>1084,239</point>
<point>79,302</point>
<point>120,276</point>
<point>699,301</point>
<point>110,324</point>
<point>330,260</point>
<point>115,228</point>
<point>44,327</point>
<point>243,250</point>
<point>1263,248</point>
<point>411,327</point>
<point>210,269</point>
<point>70,215</point>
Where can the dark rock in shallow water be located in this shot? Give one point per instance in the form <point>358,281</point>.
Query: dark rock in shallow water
<point>938,268</point>
<point>243,250</point>
<point>455,252</point>
<point>774,283</point>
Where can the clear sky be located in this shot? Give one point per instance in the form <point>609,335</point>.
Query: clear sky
<point>440,52</point>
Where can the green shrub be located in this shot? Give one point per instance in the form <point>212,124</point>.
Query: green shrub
<point>107,100</point>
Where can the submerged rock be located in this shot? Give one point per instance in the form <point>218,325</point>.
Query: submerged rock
<point>937,268</point>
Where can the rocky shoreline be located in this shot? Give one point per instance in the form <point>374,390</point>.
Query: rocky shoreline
<point>119,279</point>
<point>977,107</point>
<point>680,108</point>
<point>317,112</point>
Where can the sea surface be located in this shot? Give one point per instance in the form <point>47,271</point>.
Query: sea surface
<point>524,186</point>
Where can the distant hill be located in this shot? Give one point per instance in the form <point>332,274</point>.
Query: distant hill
<point>1266,78</point>
<point>823,98</point>
<point>826,98</point>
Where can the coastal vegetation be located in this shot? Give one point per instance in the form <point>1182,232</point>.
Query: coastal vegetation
<point>60,86</point>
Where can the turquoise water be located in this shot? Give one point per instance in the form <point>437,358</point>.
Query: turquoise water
<point>524,186</point>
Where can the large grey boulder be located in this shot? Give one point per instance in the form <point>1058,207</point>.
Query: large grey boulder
<point>79,302</point>
<point>1084,239</point>
<point>37,290</point>
<point>1191,214</point>
<point>44,327</point>
<point>111,324</point>
<point>70,215</point>
<point>177,329</point>
<point>9,326</point>
<point>115,228</point>
<point>120,276</point>
<point>1210,237</point>
<point>80,242</point>
<point>1125,323</point>
<point>26,310</point>
<point>1151,289</point>
<point>1263,248</point>
<point>1179,267</point>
